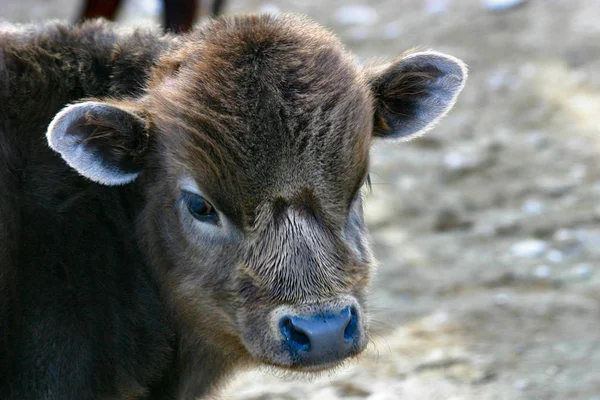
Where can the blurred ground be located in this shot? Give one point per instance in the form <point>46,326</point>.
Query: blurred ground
<point>487,229</point>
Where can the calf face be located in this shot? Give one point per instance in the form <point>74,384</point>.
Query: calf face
<point>252,146</point>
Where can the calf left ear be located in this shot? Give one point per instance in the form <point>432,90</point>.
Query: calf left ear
<point>104,142</point>
<point>412,94</point>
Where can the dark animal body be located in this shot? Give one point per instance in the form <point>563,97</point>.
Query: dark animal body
<point>176,207</point>
<point>178,15</point>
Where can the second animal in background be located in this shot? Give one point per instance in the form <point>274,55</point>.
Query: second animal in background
<point>178,15</point>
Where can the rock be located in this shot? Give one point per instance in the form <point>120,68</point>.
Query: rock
<point>469,373</point>
<point>568,242</point>
<point>555,256</point>
<point>507,225</point>
<point>564,236</point>
<point>501,5</point>
<point>578,172</point>
<point>553,370</point>
<point>537,139</point>
<point>448,219</point>
<point>522,384</point>
<point>460,163</point>
<point>556,187</point>
<point>383,396</point>
<point>354,388</point>
<point>530,248</point>
<point>583,271</point>
<point>484,230</point>
<point>501,299</point>
<point>436,6</point>
<point>542,272</point>
<point>533,207</point>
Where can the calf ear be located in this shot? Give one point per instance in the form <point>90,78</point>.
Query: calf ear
<point>413,93</point>
<point>103,142</point>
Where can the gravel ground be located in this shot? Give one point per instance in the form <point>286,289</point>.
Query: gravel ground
<point>487,229</point>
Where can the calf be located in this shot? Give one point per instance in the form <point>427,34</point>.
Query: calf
<point>174,208</point>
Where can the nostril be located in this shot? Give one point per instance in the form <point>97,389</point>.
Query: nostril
<point>300,341</point>
<point>296,339</point>
<point>329,335</point>
<point>351,330</point>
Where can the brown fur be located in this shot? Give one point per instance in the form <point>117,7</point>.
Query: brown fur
<point>273,118</point>
<point>269,118</point>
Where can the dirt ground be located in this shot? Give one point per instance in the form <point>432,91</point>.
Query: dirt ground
<point>488,229</point>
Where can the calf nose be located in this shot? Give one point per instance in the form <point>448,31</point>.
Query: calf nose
<point>321,338</point>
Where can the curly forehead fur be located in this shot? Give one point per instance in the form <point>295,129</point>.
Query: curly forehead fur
<point>265,105</point>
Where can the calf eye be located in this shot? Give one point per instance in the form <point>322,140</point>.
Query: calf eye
<point>200,209</point>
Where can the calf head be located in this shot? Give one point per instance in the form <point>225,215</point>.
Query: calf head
<point>252,145</point>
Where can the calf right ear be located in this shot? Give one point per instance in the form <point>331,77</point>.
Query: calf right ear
<point>413,93</point>
<point>104,142</point>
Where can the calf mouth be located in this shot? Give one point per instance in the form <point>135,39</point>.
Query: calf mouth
<point>308,338</point>
<point>314,368</point>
